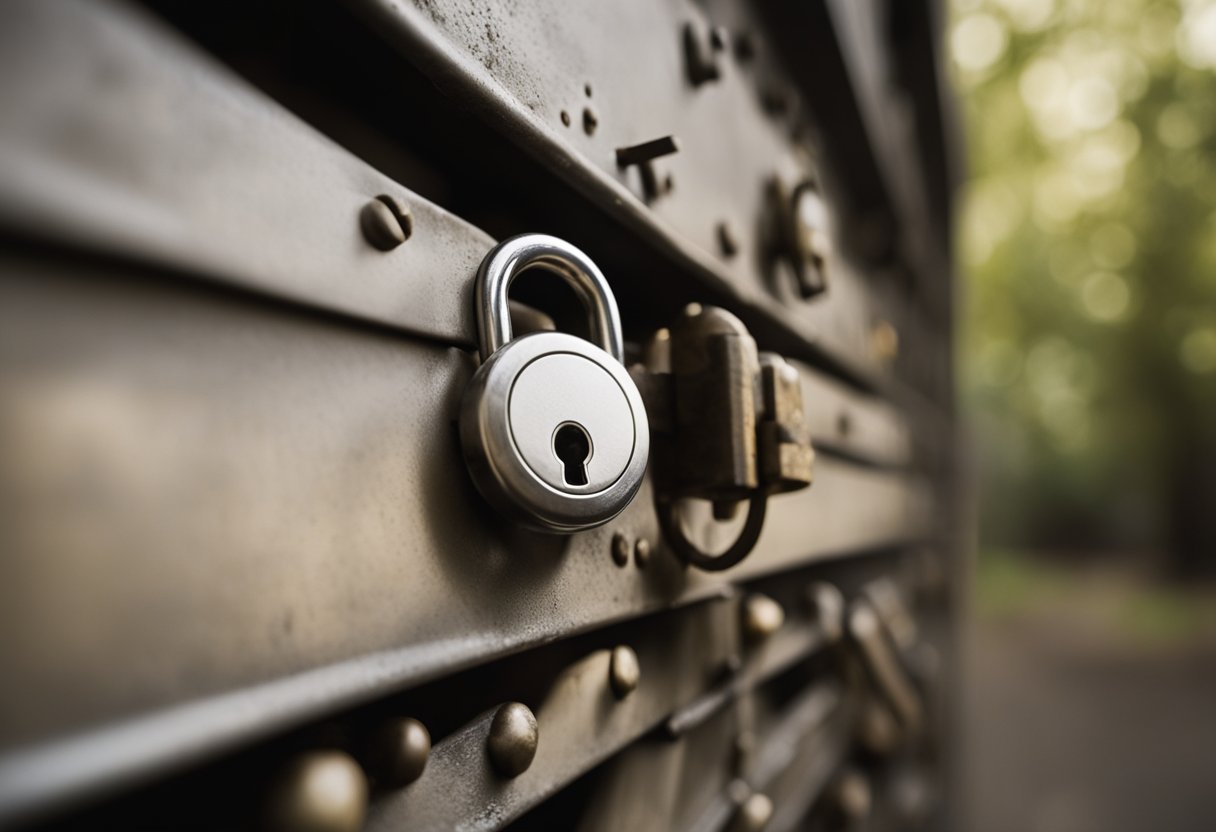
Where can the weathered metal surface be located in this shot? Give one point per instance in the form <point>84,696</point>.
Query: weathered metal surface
<point>520,68</point>
<point>121,137</point>
<point>581,721</point>
<point>225,518</point>
<point>174,454</point>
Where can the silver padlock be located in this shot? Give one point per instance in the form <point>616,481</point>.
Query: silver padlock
<point>553,428</point>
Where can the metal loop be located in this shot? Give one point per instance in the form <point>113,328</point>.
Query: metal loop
<point>687,551</point>
<point>510,257</point>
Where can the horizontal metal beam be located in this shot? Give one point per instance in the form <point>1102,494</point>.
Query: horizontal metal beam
<point>223,518</point>
<point>169,158</point>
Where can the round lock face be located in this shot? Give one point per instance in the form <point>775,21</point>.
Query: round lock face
<point>554,432</point>
<point>571,422</point>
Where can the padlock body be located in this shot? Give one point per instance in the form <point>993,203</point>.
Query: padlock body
<point>517,413</point>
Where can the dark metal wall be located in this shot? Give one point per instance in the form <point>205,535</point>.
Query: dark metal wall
<point>236,322</point>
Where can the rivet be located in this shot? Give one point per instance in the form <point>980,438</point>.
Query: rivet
<point>754,814</point>
<point>587,89</point>
<point>827,605</point>
<point>878,731</point>
<point>885,341</point>
<point>320,791</point>
<point>641,552</point>
<point>565,118</point>
<point>513,739</point>
<point>762,616</point>
<point>727,241</point>
<point>620,549</point>
<point>623,671</point>
<point>852,795</point>
<point>386,222</point>
<point>398,751</point>
<point>590,121</point>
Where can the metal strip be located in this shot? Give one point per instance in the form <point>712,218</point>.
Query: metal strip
<point>170,158</point>
<point>581,722</point>
<point>184,407</point>
<point>730,148</point>
<point>781,651</point>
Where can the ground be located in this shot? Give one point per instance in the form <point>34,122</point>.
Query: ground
<point>1090,703</point>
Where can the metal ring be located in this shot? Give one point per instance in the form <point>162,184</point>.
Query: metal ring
<point>687,551</point>
<point>510,257</point>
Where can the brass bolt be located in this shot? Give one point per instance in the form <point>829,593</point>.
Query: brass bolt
<point>513,739</point>
<point>320,791</point>
<point>762,616</point>
<point>623,671</point>
<point>620,549</point>
<point>754,814</point>
<point>884,341</point>
<point>641,552</point>
<point>386,222</point>
<point>398,752</point>
<point>878,731</point>
<point>852,795</point>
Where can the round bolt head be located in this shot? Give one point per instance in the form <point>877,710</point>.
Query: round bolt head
<point>852,795</point>
<point>624,671</point>
<point>398,752</point>
<point>879,732</point>
<point>827,606</point>
<point>754,814</point>
<point>386,222</point>
<point>513,739</point>
<point>641,552</point>
<point>321,791</point>
<point>762,616</point>
<point>620,549</point>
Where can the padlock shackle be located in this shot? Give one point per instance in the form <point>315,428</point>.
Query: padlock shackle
<point>511,257</point>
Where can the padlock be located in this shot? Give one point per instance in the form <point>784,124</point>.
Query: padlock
<point>552,427</point>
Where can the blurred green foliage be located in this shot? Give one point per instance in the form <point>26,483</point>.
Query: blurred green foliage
<point>1088,245</point>
<point>1115,607</point>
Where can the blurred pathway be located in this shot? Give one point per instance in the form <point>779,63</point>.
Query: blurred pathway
<point>1072,726</point>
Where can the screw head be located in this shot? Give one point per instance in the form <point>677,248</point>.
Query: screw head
<point>513,738</point>
<point>398,752</point>
<point>624,671</point>
<point>641,552</point>
<point>386,222</point>
<point>762,616</point>
<point>320,791</point>
<point>852,796</point>
<point>754,814</point>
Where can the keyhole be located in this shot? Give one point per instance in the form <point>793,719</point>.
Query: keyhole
<point>573,447</point>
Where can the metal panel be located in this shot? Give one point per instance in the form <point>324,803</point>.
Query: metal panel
<point>132,142</point>
<point>581,722</point>
<point>522,67</point>
<point>291,486</point>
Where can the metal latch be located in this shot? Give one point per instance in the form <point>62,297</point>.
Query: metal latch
<point>729,427</point>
